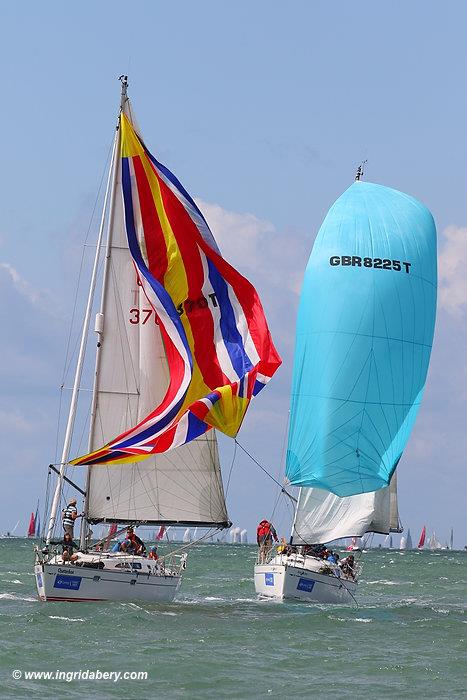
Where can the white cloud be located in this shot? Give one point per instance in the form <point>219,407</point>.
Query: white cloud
<point>453,271</point>
<point>254,246</point>
<point>36,297</point>
<point>18,424</point>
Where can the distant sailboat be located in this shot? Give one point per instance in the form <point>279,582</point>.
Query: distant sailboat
<point>434,543</point>
<point>421,541</point>
<point>409,544</point>
<point>32,526</point>
<point>357,381</point>
<point>403,543</point>
<point>451,539</point>
<point>10,534</point>
<point>235,535</point>
<point>37,518</point>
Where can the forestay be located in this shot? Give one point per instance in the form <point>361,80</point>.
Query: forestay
<point>323,517</point>
<point>364,335</point>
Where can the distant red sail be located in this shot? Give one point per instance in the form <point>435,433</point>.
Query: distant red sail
<point>32,526</point>
<point>422,538</point>
<point>161,533</point>
<point>110,535</point>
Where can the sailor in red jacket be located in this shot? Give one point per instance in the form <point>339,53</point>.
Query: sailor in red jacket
<point>265,533</point>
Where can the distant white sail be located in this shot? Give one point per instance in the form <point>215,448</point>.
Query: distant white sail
<point>434,543</point>
<point>235,535</point>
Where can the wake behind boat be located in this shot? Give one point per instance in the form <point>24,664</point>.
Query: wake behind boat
<point>182,347</point>
<point>363,341</point>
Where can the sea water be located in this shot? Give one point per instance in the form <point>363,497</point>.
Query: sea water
<point>405,639</point>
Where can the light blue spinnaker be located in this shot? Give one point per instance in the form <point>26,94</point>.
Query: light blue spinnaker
<point>364,335</point>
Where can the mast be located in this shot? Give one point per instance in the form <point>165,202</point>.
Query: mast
<point>84,334</point>
<point>360,171</point>
<point>99,327</point>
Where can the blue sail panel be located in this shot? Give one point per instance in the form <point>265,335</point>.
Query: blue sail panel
<point>364,335</point>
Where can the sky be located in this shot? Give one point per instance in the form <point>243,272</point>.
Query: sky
<point>263,110</point>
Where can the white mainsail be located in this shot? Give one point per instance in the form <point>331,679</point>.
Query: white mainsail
<point>183,486</point>
<point>323,517</point>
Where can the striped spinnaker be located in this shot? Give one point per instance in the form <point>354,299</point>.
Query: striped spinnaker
<point>217,342</point>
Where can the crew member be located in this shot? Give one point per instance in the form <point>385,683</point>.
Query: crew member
<point>265,533</point>
<point>69,515</point>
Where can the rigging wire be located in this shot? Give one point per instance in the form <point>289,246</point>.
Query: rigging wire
<point>283,490</point>
<point>231,467</point>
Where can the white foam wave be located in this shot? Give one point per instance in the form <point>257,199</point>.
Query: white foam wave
<point>13,596</point>
<point>351,619</point>
<point>68,619</point>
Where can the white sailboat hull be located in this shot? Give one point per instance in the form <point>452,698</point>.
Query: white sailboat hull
<point>291,581</point>
<point>70,583</point>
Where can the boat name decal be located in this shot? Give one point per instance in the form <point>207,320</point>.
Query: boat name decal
<point>376,263</point>
<point>66,571</point>
<point>269,579</point>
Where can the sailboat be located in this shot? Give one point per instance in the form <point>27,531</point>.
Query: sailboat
<point>433,542</point>
<point>32,525</point>
<point>182,347</point>
<point>363,341</point>
<point>10,534</point>
<point>408,543</point>
<point>421,541</point>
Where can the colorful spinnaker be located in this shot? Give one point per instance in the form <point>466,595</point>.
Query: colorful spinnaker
<point>364,336</point>
<point>217,342</point>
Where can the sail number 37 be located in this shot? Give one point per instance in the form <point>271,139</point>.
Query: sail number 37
<point>189,306</point>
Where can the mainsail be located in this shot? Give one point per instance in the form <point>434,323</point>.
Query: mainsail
<point>322,516</point>
<point>364,335</point>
